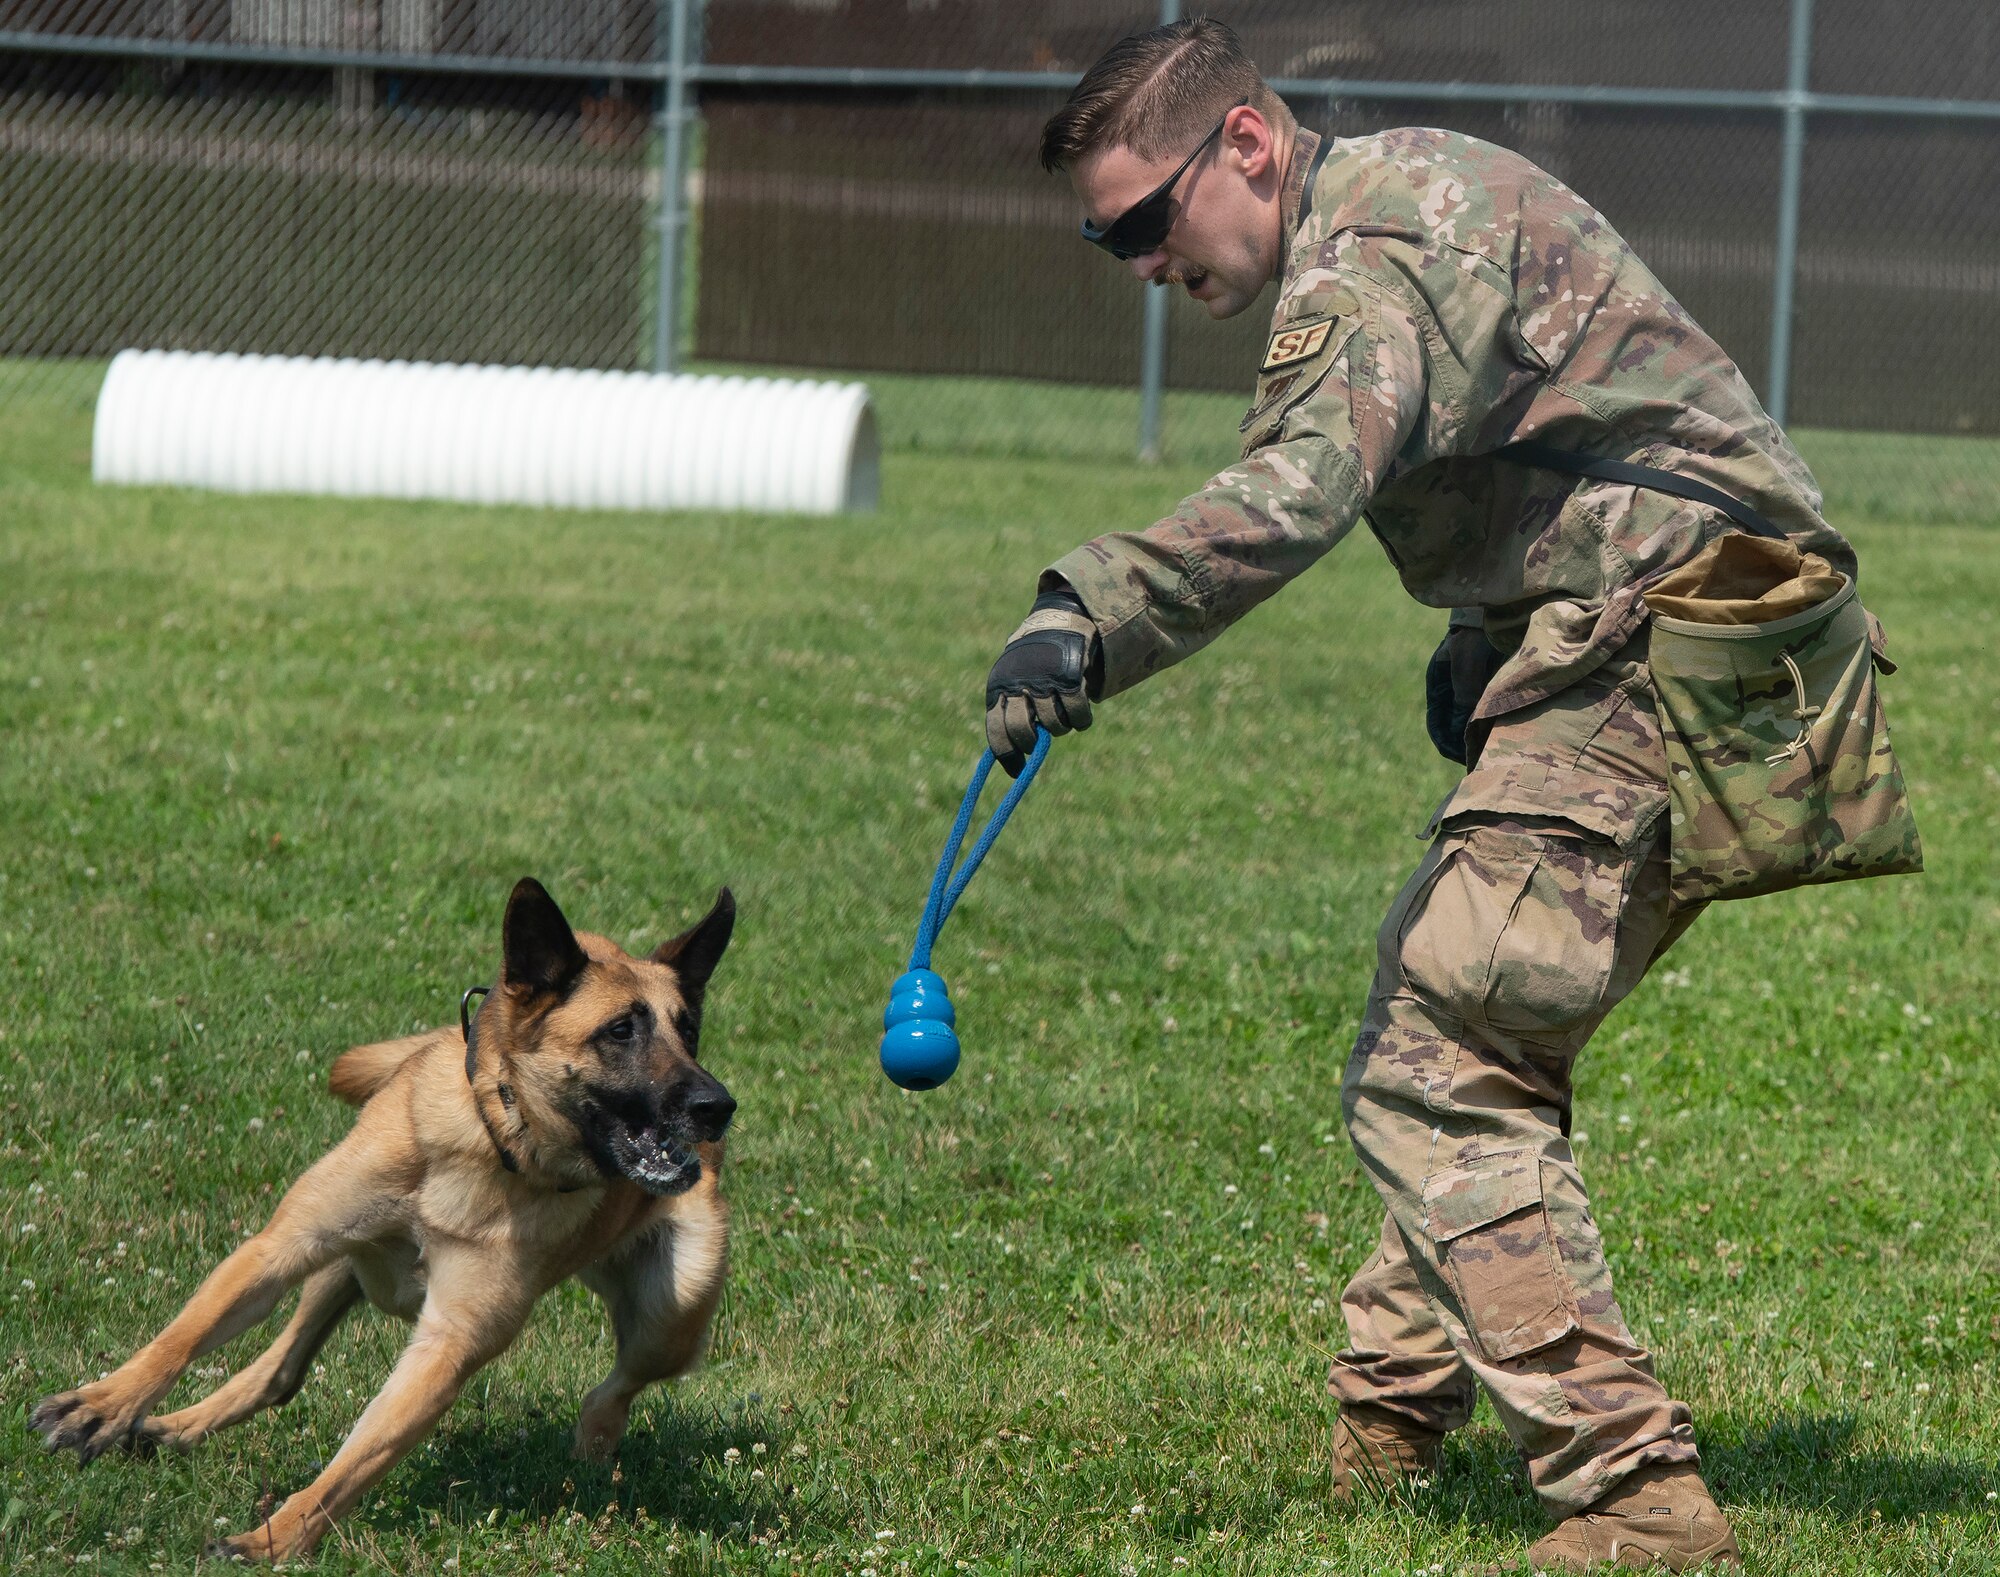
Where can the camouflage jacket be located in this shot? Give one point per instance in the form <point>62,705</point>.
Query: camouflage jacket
<point>1442,297</point>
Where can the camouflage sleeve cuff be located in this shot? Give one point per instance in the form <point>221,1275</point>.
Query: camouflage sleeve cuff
<point>1102,573</point>
<point>1468,619</point>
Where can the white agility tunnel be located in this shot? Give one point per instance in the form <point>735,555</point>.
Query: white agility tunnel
<point>486,435</point>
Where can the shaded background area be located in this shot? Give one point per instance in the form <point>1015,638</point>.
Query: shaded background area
<point>280,205</point>
<point>822,208</point>
<point>953,252</point>
<point>480,180</point>
<point>490,238</point>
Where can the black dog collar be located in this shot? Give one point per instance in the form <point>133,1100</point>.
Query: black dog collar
<point>465,1023</point>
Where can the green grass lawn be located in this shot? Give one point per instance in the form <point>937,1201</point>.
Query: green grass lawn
<point>271,766</point>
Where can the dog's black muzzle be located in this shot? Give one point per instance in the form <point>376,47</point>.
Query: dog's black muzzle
<point>648,1135</point>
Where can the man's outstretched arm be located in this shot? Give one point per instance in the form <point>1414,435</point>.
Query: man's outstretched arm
<point>1323,436</point>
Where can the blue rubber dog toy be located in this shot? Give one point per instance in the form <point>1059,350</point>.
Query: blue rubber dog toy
<point>919,1028</point>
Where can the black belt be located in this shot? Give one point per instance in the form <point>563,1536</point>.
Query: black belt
<point>1548,458</point>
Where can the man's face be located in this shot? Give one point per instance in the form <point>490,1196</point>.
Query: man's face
<point>1223,248</point>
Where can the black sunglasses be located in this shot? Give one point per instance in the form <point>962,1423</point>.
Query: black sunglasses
<point>1143,227</point>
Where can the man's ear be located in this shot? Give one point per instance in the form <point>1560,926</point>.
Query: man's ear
<point>1250,135</point>
<point>694,954</point>
<point>542,957</point>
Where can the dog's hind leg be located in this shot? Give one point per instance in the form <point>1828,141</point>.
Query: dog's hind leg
<point>468,1319</point>
<point>661,1292</point>
<point>274,1379</point>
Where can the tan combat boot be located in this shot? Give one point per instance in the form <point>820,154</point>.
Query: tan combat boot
<point>1660,1519</point>
<point>1374,1450</point>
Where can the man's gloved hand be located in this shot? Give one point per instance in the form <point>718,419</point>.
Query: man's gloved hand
<point>1042,677</point>
<point>1460,669</point>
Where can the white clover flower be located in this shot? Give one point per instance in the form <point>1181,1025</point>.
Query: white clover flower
<point>732,1455</point>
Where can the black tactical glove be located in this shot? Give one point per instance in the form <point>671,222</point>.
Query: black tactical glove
<point>1043,677</point>
<point>1460,669</point>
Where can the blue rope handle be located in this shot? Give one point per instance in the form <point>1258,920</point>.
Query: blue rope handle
<point>946,888</point>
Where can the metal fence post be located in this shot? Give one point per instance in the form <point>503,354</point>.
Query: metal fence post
<point>1153,334</point>
<point>673,187</point>
<point>1791,172</point>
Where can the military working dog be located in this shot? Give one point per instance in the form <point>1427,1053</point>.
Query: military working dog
<point>567,1130</point>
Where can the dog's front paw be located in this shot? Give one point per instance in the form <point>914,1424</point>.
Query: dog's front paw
<point>600,1428</point>
<point>593,1447</point>
<point>257,1544</point>
<point>151,1435</point>
<point>289,1532</point>
<point>80,1422</point>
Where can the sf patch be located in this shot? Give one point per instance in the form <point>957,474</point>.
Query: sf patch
<point>1296,341</point>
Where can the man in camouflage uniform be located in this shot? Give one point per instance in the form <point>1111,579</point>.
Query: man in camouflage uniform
<point>1440,298</point>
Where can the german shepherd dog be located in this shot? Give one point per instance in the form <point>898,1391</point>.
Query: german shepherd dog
<point>566,1131</point>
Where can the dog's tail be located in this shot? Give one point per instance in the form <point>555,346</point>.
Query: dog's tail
<point>361,1073</point>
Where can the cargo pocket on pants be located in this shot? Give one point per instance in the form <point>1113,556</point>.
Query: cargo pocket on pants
<point>1515,931</point>
<point>1498,1254</point>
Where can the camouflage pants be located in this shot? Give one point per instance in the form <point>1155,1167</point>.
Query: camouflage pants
<point>1542,902</point>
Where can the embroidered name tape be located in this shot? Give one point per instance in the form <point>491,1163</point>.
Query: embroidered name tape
<point>1296,342</point>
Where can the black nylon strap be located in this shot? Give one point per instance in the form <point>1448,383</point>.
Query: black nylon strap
<point>1549,458</point>
<point>1312,174</point>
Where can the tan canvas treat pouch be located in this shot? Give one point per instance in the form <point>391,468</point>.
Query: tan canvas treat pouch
<point>1764,663</point>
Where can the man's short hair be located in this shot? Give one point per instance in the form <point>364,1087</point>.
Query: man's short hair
<point>1157,93</point>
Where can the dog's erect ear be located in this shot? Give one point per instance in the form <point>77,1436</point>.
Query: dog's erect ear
<point>541,951</point>
<point>694,954</point>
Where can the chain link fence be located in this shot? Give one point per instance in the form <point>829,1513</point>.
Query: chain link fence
<point>482,180</point>
<point>241,175</point>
